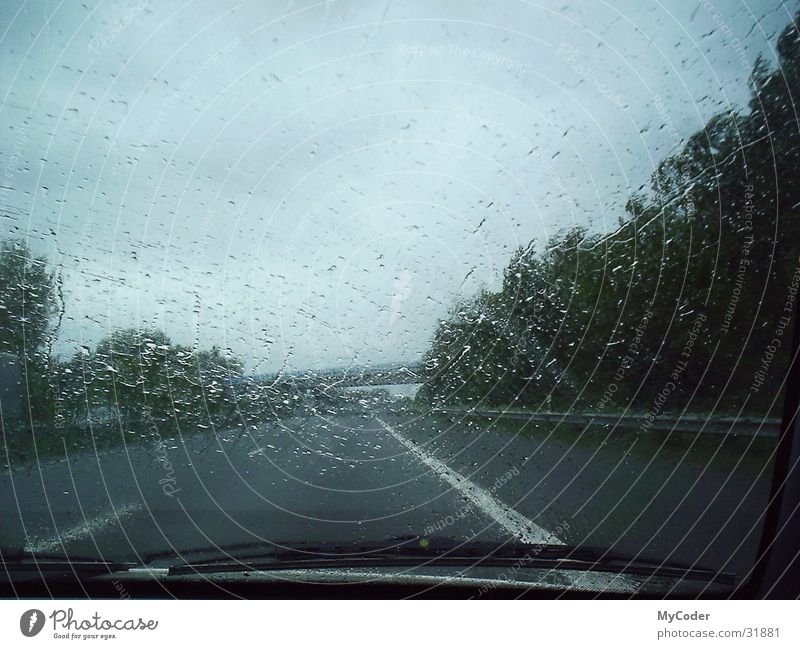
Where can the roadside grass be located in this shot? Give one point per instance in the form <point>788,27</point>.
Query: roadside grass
<point>20,447</point>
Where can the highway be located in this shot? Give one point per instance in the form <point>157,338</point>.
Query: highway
<point>353,476</point>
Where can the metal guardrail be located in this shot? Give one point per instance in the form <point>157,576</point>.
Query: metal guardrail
<point>663,423</point>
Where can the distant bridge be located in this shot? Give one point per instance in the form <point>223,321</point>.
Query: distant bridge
<point>384,374</point>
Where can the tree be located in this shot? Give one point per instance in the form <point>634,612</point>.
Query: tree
<point>128,373</point>
<point>139,373</point>
<point>715,241</point>
<point>28,302</point>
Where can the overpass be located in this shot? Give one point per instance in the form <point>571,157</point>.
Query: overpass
<point>344,377</point>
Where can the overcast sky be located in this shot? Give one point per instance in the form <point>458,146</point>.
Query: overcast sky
<point>317,184</point>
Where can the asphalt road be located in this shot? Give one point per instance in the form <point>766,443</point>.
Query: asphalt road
<point>365,477</point>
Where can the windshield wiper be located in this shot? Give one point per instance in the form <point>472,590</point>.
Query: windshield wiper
<point>17,560</point>
<point>437,552</point>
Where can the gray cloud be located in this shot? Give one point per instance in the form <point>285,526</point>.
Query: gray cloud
<point>266,177</point>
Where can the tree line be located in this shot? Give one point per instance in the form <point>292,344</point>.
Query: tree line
<point>686,305</point>
<point>132,377</point>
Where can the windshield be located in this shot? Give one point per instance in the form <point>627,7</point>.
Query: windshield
<point>337,277</point>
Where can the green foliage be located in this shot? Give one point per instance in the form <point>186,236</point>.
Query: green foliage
<point>28,302</point>
<point>139,375</point>
<point>134,379</point>
<point>697,272</point>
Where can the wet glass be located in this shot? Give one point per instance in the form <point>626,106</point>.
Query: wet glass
<point>343,274</point>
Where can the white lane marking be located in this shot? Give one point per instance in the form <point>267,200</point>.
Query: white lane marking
<point>509,519</point>
<point>82,530</point>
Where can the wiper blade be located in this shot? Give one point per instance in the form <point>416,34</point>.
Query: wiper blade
<point>587,558</point>
<point>17,560</point>
<point>439,552</point>
<point>401,546</point>
<point>404,551</point>
<point>605,560</point>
